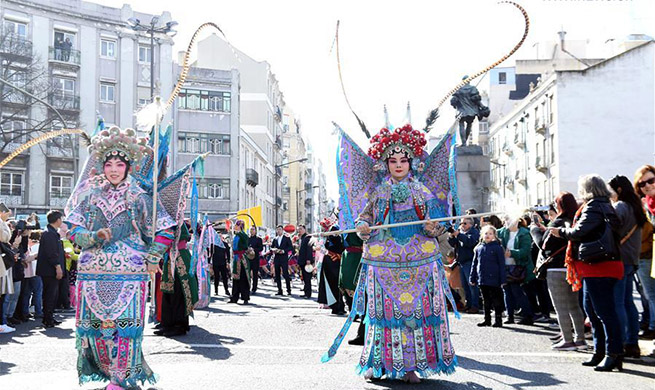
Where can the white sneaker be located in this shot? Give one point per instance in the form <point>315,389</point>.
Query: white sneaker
<point>6,329</point>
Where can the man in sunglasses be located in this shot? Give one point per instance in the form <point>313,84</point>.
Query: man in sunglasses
<point>464,240</point>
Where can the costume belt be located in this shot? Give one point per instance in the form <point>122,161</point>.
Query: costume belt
<point>182,245</point>
<point>354,249</point>
<point>239,252</point>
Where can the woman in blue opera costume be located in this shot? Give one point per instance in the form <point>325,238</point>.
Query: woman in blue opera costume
<point>402,289</point>
<point>111,215</point>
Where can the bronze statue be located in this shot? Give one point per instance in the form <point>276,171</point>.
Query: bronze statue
<point>467,102</point>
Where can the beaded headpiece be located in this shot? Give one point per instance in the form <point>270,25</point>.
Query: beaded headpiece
<point>123,144</point>
<point>403,139</point>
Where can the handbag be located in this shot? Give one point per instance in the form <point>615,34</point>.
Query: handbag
<point>8,255</point>
<point>602,249</point>
<point>542,263</point>
<point>516,273</point>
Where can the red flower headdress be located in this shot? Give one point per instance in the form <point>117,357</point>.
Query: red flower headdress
<point>403,139</point>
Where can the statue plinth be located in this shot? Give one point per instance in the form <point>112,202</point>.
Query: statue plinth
<point>472,169</point>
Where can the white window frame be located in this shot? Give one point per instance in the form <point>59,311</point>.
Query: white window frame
<point>66,34</point>
<point>60,191</point>
<point>147,49</point>
<point>108,53</point>
<point>11,184</point>
<point>15,27</point>
<point>104,89</point>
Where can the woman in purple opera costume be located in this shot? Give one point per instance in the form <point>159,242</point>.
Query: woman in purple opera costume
<point>402,289</point>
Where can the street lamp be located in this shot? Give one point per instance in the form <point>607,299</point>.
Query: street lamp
<point>152,28</point>
<point>298,192</point>
<point>275,184</point>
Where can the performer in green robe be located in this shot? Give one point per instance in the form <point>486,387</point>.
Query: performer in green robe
<point>180,293</point>
<point>349,273</point>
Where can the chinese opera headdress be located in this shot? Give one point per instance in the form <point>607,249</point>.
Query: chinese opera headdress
<point>121,144</point>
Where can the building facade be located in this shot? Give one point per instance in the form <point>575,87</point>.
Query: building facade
<point>206,120</point>
<point>579,120</point>
<point>92,63</point>
<point>298,186</point>
<point>261,113</point>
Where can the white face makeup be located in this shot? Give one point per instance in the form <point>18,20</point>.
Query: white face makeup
<point>115,171</point>
<point>398,165</point>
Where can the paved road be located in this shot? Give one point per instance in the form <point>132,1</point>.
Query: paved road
<point>276,343</point>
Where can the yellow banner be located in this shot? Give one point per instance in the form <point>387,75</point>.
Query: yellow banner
<point>255,214</point>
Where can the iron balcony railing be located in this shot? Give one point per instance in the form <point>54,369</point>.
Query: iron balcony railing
<point>15,45</point>
<point>65,55</point>
<point>64,101</point>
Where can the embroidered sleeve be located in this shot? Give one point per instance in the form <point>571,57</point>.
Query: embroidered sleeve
<point>368,216</point>
<point>83,237</point>
<point>163,240</point>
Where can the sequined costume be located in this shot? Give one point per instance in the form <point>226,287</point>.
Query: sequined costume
<point>112,278</point>
<point>402,288</point>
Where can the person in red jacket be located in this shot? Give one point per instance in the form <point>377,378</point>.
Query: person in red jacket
<point>596,278</point>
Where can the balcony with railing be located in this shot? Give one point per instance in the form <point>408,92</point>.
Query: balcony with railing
<point>507,149</point>
<point>64,101</point>
<point>59,198</point>
<point>64,56</point>
<point>15,98</point>
<point>508,182</point>
<point>17,46</point>
<point>59,149</point>
<point>252,177</point>
<point>539,126</point>
<point>519,140</point>
<point>12,141</point>
<point>540,164</point>
<point>520,177</point>
<point>13,197</point>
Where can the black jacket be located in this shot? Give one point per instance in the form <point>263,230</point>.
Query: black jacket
<point>549,244</point>
<point>464,244</point>
<point>257,245</point>
<point>285,245</point>
<point>305,253</point>
<point>590,225</point>
<point>220,255</point>
<point>51,254</point>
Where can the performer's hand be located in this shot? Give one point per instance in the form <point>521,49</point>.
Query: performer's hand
<point>154,269</point>
<point>363,228</point>
<point>430,227</point>
<point>59,273</point>
<point>104,234</point>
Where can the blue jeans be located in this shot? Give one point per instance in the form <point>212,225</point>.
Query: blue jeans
<point>648,285</point>
<point>11,300</point>
<point>472,292</point>
<point>514,295</point>
<point>601,309</point>
<point>33,285</point>
<point>626,310</point>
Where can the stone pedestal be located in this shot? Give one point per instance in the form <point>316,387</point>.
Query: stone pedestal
<point>472,178</point>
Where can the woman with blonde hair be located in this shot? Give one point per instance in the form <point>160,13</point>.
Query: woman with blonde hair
<point>644,184</point>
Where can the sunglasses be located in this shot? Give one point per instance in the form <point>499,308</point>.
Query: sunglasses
<point>642,184</point>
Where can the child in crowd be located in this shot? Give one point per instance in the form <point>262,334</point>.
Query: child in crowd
<point>488,272</point>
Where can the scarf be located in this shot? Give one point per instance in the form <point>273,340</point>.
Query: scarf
<point>572,276</point>
<point>650,204</point>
